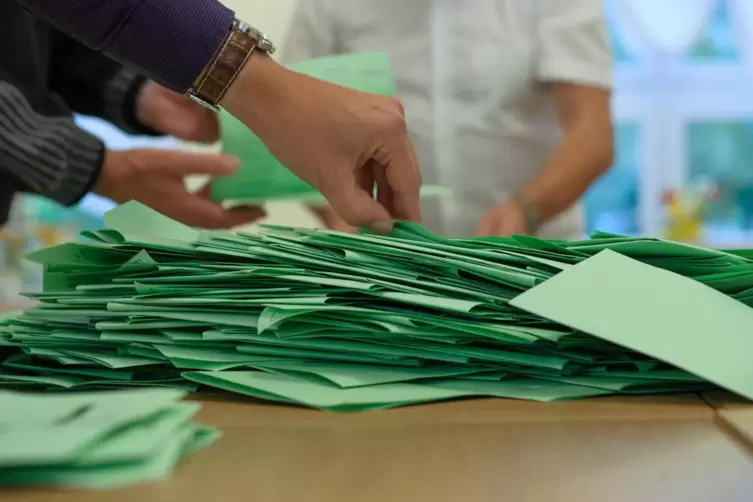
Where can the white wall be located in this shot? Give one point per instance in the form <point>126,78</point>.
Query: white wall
<point>270,16</point>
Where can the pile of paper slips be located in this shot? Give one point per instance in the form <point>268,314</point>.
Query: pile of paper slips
<point>354,322</point>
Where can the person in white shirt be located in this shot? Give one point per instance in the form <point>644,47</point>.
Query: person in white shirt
<point>507,102</point>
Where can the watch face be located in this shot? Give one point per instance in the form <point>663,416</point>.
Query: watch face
<point>266,45</point>
<point>263,43</point>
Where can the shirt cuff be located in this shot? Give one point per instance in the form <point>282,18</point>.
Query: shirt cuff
<point>120,98</point>
<point>7,192</point>
<point>79,171</point>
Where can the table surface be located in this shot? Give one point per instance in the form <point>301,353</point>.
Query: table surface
<point>612,449</point>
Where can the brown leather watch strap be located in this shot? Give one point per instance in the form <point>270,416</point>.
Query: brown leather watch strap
<point>232,56</point>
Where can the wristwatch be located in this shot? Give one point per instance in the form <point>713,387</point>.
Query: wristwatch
<point>240,44</point>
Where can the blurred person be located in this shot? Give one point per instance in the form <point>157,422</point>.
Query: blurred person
<point>339,140</point>
<point>507,102</point>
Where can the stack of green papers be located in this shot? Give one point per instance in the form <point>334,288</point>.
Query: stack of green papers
<point>352,322</point>
<point>261,177</point>
<point>96,440</point>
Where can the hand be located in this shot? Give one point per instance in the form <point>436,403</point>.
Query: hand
<point>171,113</point>
<point>339,140</point>
<point>332,221</point>
<point>503,220</point>
<point>157,179</point>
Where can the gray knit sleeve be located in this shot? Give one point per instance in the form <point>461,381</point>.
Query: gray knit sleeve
<point>50,156</point>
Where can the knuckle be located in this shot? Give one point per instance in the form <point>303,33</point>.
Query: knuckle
<point>396,124</point>
<point>400,107</point>
<point>355,215</point>
<point>391,111</point>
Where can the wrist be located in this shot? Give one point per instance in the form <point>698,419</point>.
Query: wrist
<point>262,80</point>
<point>114,167</point>
<point>531,214</point>
<point>141,108</point>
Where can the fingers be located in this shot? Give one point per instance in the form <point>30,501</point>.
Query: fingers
<point>201,213</point>
<point>185,164</point>
<point>237,216</point>
<point>486,227</point>
<point>502,221</point>
<point>385,195</point>
<point>205,192</point>
<point>356,205</point>
<point>365,178</point>
<point>402,183</point>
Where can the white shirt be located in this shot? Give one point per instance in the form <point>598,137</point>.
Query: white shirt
<point>468,73</point>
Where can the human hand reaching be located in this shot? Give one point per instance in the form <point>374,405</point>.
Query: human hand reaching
<point>341,141</point>
<point>157,179</point>
<point>504,220</point>
<point>173,114</point>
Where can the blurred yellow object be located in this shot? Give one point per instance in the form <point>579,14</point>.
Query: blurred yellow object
<point>48,235</point>
<point>685,216</point>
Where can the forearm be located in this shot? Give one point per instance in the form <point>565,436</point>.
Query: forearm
<point>49,156</point>
<point>171,41</point>
<point>585,154</point>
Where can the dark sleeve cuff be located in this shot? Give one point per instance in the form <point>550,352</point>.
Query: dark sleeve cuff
<point>120,98</point>
<point>49,156</point>
<point>83,163</point>
<point>7,192</point>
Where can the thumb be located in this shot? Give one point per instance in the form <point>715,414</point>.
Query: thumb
<point>359,209</point>
<point>185,164</point>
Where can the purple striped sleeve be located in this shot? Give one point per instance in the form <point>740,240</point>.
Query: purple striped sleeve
<point>170,41</point>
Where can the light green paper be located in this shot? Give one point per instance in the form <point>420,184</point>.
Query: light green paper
<point>352,375</point>
<point>520,388</point>
<point>323,396</point>
<point>95,440</point>
<point>261,176</point>
<point>654,312</point>
<point>136,219</point>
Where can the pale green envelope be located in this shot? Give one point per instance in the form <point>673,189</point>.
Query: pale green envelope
<point>262,178</point>
<point>289,389</point>
<point>654,312</point>
<point>96,440</point>
<point>361,375</point>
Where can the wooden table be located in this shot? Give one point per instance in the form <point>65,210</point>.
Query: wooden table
<point>602,450</point>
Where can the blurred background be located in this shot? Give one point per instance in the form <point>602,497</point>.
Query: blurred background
<point>683,116</point>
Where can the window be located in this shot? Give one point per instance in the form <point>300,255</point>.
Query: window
<point>612,203</point>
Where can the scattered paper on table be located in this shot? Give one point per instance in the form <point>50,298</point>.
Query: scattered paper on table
<point>96,440</point>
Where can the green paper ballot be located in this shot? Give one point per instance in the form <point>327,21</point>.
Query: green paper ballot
<point>328,396</point>
<point>262,178</point>
<point>654,312</point>
<point>354,322</point>
<point>96,440</point>
<point>289,389</point>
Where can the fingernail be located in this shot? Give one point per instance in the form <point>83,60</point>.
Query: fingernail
<point>232,163</point>
<point>382,227</point>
